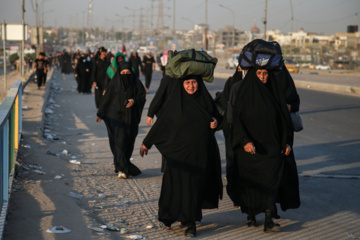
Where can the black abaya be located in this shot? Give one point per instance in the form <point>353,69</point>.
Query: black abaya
<point>260,116</point>
<point>122,123</point>
<point>182,133</point>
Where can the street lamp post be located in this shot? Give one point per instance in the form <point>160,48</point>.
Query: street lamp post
<point>133,24</point>
<point>122,18</point>
<point>233,14</point>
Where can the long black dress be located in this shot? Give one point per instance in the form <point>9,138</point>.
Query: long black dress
<point>157,104</point>
<point>260,116</point>
<point>66,63</point>
<point>122,123</point>
<point>182,134</point>
<point>226,127</point>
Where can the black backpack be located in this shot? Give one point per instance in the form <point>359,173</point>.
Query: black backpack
<point>261,54</point>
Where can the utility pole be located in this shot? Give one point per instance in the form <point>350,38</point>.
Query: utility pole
<point>37,30</point>
<point>152,13</point>
<point>173,33</point>
<point>265,20</point>
<point>23,39</point>
<point>4,45</point>
<point>206,25</point>
<point>160,20</point>
<point>292,19</point>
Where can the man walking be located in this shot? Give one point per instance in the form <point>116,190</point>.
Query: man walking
<point>99,75</point>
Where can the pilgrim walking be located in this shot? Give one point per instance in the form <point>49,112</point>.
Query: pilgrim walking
<point>99,75</point>
<point>148,68</point>
<point>121,108</point>
<point>184,135</point>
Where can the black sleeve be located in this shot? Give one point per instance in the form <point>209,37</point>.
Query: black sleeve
<point>106,81</point>
<point>159,98</point>
<point>292,97</point>
<point>141,95</point>
<point>93,74</point>
<point>226,94</point>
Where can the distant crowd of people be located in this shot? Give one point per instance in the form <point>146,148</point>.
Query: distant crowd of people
<point>255,119</point>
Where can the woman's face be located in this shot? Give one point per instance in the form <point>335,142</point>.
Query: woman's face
<point>191,86</point>
<point>119,59</point>
<point>262,74</point>
<point>125,71</point>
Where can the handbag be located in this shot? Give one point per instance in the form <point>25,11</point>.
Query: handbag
<point>296,121</point>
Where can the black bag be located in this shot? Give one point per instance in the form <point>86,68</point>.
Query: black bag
<point>261,54</point>
<point>296,121</point>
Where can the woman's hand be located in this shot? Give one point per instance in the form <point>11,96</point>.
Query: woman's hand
<point>250,148</point>
<point>130,103</point>
<point>149,121</point>
<point>143,150</point>
<point>213,124</point>
<point>287,150</point>
<point>289,107</point>
<point>98,120</point>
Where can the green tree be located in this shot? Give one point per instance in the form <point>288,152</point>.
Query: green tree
<point>13,57</point>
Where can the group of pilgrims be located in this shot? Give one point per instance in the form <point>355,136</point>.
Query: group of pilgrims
<point>255,119</point>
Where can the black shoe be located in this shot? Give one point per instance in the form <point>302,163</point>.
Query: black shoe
<point>251,221</point>
<point>270,226</point>
<point>190,232</point>
<point>167,224</point>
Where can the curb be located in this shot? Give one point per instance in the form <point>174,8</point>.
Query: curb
<point>355,91</point>
<point>335,88</point>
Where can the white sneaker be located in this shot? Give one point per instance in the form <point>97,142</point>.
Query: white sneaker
<point>122,175</point>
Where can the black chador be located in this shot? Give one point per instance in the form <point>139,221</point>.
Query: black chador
<point>182,134</point>
<point>66,63</point>
<point>122,123</point>
<point>260,116</point>
<point>99,76</point>
<point>162,94</point>
<point>83,70</point>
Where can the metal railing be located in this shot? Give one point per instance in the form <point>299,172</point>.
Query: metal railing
<point>10,134</point>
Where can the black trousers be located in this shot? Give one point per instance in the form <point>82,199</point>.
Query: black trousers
<point>41,78</point>
<point>98,94</point>
<point>148,76</point>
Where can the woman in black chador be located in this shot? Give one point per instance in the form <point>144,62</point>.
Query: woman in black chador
<point>261,141</point>
<point>184,134</point>
<point>121,109</point>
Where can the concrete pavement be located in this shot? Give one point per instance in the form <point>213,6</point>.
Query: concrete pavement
<point>46,177</point>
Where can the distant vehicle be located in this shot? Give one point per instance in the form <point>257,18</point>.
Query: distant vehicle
<point>232,62</point>
<point>292,66</point>
<point>322,67</point>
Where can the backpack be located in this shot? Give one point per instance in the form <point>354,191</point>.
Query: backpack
<point>190,62</point>
<point>261,54</point>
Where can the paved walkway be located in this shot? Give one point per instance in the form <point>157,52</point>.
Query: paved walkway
<point>46,178</point>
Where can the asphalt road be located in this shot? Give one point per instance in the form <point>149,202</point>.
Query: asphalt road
<point>330,142</point>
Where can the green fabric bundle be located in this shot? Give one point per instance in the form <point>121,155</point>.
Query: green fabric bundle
<point>191,62</point>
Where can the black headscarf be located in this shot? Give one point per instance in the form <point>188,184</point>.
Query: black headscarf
<point>261,115</point>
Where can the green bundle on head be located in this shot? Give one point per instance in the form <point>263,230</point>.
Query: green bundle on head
<point>191,62</point>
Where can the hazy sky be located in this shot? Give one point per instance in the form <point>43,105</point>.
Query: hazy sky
<point>321,16</point>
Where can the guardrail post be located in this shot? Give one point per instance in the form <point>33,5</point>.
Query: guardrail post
<point>5,163</point>
<point>16,123</point>
<point>20,111</point>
